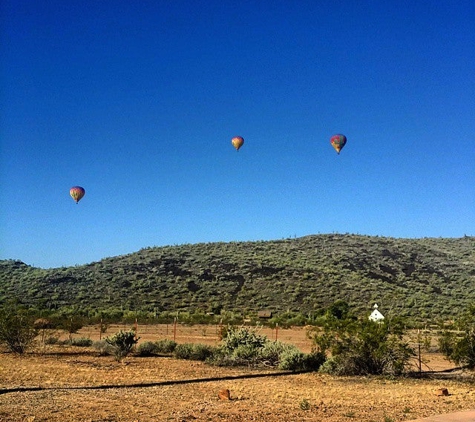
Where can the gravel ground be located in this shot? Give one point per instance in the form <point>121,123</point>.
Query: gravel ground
<point>76,385</point>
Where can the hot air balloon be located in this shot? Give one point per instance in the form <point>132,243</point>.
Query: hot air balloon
<point>77,192</point>
<point>338,142</point>
<point>238,142</point>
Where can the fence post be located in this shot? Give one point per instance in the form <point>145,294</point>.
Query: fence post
<point>419,350</point>
<point>174,329</point>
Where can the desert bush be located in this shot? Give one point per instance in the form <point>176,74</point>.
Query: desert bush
<point>202,352</point>
<point>65,342</point>
<point>192,351</point>
<point>17,330</point>
<point>81,342</point>
<point>122,343</point>
<point>220,359</point>
<point>458,343</point>
<point>244,347</point>
<point>239,347</point>
<point>51,340</point>
<point>104,348</point>
<point>339,309</point>
<point>304,404</point>
<point>147,348</point>
<point>272,351</point>
<point>330,366</point>
<point>289,319</point>
<point>183,351</point>
<point>166,346</point>
<point>313,361</point>
<point>362,347</point>
<point>246,338</point>
<point>292,360</point>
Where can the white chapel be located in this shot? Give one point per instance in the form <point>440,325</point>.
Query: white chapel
<point>376,315</point>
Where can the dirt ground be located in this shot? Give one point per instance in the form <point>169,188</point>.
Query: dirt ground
<point>75,384</point>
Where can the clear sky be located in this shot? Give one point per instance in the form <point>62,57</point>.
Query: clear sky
<point>137,101</point>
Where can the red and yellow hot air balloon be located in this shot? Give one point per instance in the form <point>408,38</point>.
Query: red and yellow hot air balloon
<point>77,192</point>
<point>238,142</point>
<point>338,142</point>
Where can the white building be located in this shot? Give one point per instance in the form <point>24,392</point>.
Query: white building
<point>376,316</point>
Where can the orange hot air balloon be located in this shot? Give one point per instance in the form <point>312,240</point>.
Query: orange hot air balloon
<point>238,142</point>
<point>338,142</point>
<point>77,192</point>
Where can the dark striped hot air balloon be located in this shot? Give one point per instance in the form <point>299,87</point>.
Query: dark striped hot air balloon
<point>77,192</point>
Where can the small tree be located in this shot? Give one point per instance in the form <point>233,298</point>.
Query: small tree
<point>42,324</point>
<point>458,345</point>
<point>363,347</point>
<point>17,330</point>
<point>122,343</point>
<point>339,309</point>
<point>73,324</point>
<point>69,321</point>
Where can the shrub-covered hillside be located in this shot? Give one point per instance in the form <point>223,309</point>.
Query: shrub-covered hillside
<point>426,278</point>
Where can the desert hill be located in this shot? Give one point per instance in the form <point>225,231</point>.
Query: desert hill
<point>426,279</point>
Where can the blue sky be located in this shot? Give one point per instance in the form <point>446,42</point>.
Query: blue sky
<point>138,101</point>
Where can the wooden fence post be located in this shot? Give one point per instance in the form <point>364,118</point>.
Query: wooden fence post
<point>174,329</point>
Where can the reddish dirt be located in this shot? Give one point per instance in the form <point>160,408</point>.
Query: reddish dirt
<point>61,384</point>
<point>468,416</point>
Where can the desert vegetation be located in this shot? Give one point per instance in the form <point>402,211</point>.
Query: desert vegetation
<point>230,372</point>
<point>342,343</point>
<point>422,279</point>
<point>325,283</point>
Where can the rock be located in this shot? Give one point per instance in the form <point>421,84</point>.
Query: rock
<point>442,392</point>
<point>224,394</point>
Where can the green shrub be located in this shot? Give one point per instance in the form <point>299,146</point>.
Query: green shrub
<point>122,343</point>
<point>183,351</point>
<point>202,352</point>
<point>313,361</point>
<point>220,359</point>
<point>329,366</point>
<point>148,348</point>
<point>362,347</point>
<point>304,404</point>
<point>193,351</point>
<point>51,340</point>
<point>81,342</point>
<point>292,360</point>
<point>234,337</point>
<point>244,347</point>
<point>104,348</point>
<point>239,347</point>
<point>270,354</point>
<point>17,331</point>
<point>166,346</point>
<point>458,345</point>
<point>246,353</point>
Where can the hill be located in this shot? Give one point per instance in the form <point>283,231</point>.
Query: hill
<point>425,278</point>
